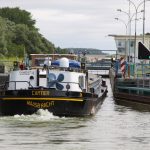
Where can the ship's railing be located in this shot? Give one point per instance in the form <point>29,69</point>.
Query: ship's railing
<point>71,69</point>
<point>145,83</point>
<point>143,71</point>
<point>125,83</point>
<point>6,85</point>
<point>142,83</point>
<point>2,87</point>
<point>133,86</point>
<point>7,66</point>
<point>95,83</point>
<point>139,70</point>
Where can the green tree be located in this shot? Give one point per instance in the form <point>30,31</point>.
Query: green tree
<point>18,34</point>
<point>17,16</point>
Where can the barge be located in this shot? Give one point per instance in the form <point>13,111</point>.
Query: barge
<point>134,85</point>
<point>63,87</point>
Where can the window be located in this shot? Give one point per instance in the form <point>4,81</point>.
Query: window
<point>119,43</point>
<point>121,50</point>
<point>81,81</point>
<point>132,44</point>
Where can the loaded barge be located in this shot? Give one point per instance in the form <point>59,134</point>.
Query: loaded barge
<point>63,87</point>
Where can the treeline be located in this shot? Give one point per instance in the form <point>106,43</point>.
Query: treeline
<point>18,35</point>
<point>88,51</point>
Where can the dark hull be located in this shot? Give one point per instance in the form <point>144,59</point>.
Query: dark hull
<point>131,97</point>
<point>57,102</point>
<point>129,89</point>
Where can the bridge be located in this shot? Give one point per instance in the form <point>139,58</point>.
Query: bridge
<point>100,67</point>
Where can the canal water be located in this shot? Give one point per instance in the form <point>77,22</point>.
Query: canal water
<point>114,127</point>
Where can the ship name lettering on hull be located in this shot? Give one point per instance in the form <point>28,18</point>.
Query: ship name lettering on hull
<point>40,105</point>
<point>41,93</point>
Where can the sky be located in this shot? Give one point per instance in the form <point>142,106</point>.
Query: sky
<point>81,23</point>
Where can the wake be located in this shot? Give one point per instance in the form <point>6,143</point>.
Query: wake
<point>40,115</point>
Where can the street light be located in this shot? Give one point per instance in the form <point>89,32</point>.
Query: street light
<point>123,23</point>
<point>129,23</point>
<point>124,12</point>
<point>136,11</point>
<point>144,23</point>
<point>130,17</point>
<point>126,26</point>
<point>143,15</point>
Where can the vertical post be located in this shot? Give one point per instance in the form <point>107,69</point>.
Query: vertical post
<point>126,53</point>
<point>129,40</point>
<point>129,32</point>
<point>126,26</point>
<point>135,36</point>
<point>143,40</point>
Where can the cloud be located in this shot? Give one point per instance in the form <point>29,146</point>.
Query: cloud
<point>78,23</point>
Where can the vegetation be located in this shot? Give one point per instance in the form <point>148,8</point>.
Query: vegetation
<point>18,35</point>
<point>85,51</point>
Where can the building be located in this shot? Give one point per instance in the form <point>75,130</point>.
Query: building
<point>126,45</point>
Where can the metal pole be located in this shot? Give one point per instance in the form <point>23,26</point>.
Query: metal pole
<point>126,26</point>
<point>136,9</point>
<point>126,53</point>
<point>135,36</point>
<point>143,23</point>
<point>143,38</point>
<point>129,31</point>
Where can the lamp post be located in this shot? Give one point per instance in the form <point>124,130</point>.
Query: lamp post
<point>136,11</point>
<point>129,24</point>
<point>126,26</point>
<point>143,40</point>
<point>123,23</point>
<point>129,33</point>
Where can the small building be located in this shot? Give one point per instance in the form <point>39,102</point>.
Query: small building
<point>126,45</point>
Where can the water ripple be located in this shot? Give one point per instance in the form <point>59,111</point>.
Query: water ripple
<point>116,126</point>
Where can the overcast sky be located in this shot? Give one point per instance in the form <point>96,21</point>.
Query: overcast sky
<point>80,23</point>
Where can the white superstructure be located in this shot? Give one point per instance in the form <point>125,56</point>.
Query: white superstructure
<point>61,78</point>
<point>22,79</point>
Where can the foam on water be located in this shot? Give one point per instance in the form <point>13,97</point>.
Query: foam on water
<point>40,115</point>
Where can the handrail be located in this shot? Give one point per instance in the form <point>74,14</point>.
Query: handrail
<point>7,82</point>
<point>94,83</point>
<point>145,83</point>
<point>2,86</point>
<point>57,67</point>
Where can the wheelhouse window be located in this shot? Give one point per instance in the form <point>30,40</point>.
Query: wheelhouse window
<point>81,81</point>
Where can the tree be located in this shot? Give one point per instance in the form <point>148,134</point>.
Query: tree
<point>17,16</point>
<point>18,34</point>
